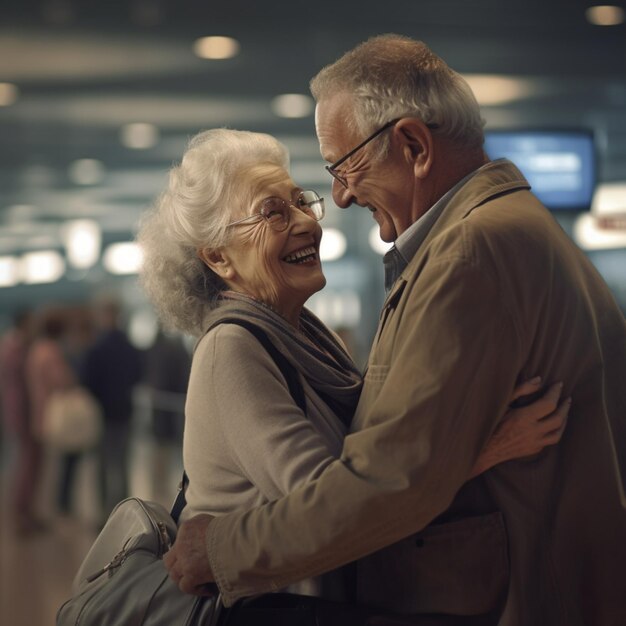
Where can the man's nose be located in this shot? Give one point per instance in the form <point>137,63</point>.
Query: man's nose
<point>342,196</point>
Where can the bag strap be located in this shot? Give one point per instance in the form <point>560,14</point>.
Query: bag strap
<point>287,370</point>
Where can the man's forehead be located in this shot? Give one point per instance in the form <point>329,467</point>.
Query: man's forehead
<point>331,125</point>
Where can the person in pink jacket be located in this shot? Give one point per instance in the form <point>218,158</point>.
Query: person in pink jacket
<point>17,421</point>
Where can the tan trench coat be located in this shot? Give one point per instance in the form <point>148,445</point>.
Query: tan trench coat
<point>496,294</point>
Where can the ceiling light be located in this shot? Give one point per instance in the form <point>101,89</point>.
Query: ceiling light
<point>216,47</point>
<point>82,240</point>
<point>123,258</point>
<point>139,136</point>
<point>491,89</point>
<point>333,245</point>
<point>44,266</point>
<point>9,271</point>
<point>8,94</point>
<point>292,105</point>
<point>605,15</point>
<point>86,171</point>
<point>376,243</point>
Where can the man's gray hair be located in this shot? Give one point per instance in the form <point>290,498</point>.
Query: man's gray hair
<point>210,184</point>
<point>391,76</point>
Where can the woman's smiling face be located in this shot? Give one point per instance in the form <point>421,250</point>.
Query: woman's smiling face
<point>280,268</point>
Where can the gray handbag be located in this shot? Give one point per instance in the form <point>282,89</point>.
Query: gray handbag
<point>123,581</point>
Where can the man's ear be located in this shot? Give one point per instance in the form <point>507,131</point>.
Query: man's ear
<point>417,144</point>
<point>217,261</point>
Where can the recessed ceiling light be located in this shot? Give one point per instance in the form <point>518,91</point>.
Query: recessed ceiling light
<point>45,266</point>
<point>139,136</point>
<point>9,271</point>
<point>491,89</point>
<point>9,93</point>
<point>605,15</point>
<point>82,240</point>
<point>86,171</point>
<point>123,258</point>
<point>293,105</point>
<point>216,47</point>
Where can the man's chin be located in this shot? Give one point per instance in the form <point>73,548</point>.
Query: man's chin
<point>387,233</point>
<point>386,229</point>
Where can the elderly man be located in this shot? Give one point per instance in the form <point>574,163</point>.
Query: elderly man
<point>485,290</point>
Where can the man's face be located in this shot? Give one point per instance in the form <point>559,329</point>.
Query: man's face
<point>385,186</point>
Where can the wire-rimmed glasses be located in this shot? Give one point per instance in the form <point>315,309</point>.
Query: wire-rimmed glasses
<point>332,169</point>
<point>277,212</point>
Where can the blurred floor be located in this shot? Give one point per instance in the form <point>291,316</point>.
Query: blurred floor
<point>36,571</point>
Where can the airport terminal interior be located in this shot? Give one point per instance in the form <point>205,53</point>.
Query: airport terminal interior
<point>99,99</point>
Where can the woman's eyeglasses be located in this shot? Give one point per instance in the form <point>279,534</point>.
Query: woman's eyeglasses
<point>277,212</point>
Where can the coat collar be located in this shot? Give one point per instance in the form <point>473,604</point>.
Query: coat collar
<point>494,179</point>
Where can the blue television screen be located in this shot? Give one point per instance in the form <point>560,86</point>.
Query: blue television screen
<point>560,165</point>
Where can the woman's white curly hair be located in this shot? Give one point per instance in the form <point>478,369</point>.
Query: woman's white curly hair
<point>203,193</point>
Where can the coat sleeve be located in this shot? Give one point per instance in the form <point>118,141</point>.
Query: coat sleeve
<point>436,386</point>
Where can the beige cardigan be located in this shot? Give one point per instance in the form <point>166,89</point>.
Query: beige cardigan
<point>246,442</point>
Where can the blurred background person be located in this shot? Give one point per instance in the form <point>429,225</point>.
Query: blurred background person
<point>110,370</point>
<point>26,467</point>
<point>48,371</point>
<point>167,367</point>
<point>78,337</point>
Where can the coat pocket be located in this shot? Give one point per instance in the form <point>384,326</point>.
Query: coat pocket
<point>457,568</point>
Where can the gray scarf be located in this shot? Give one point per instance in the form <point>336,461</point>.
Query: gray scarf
<point>311,349</point>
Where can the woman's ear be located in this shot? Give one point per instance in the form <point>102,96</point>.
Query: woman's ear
<point>217,261</point>
<point>417,144</point>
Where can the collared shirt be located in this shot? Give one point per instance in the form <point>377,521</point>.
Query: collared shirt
<point>408,243</point>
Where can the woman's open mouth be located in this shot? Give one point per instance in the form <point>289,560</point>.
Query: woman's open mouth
<point>305,255</point>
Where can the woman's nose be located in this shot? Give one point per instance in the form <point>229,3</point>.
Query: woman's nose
<point>302,221</point>
<point>342,196</point>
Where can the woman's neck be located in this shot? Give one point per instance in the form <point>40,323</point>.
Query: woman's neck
<point>290,315</point>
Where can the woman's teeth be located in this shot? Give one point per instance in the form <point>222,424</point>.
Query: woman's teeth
<point>301,256</point>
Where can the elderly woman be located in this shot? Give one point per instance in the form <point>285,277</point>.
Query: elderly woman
<point>234,237</point>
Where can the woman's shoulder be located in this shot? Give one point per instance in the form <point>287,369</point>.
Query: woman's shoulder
<point>230,341</point>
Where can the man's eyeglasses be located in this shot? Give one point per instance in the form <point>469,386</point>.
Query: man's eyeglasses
<point>277,212</point>
<point>332,169</point>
